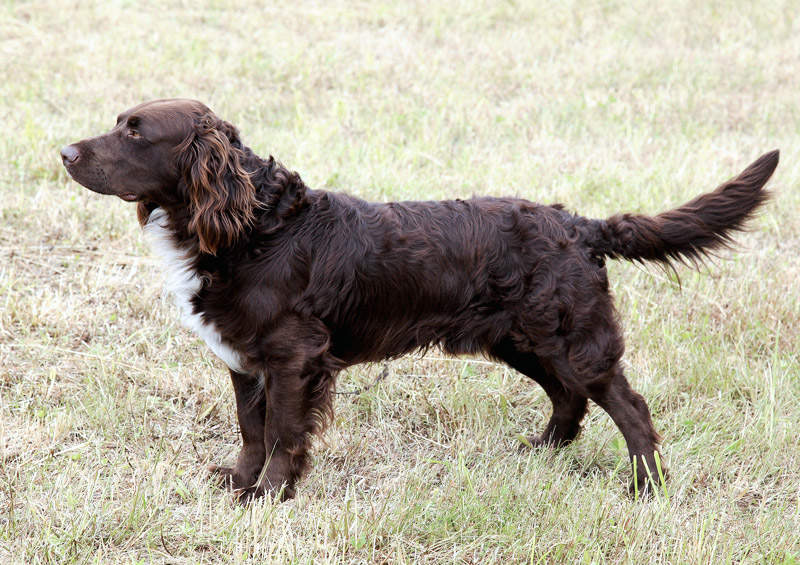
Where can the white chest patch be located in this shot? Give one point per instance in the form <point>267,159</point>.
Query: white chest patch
<point>183,283</point>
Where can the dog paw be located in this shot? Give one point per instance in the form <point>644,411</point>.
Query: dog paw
<point>541,441</point>
<point>230,478</point>
<point>251,494</point>
<point>247,491</point>
<point>646,482</point>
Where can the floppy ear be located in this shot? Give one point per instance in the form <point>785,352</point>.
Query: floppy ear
<point>221,194</point>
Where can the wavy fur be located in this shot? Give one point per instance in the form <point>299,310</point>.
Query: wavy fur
<point>692,231</point>
<point>220,191</point>
<point>291,285</point>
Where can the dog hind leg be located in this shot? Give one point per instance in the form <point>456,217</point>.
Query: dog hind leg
<point>568,407</point>
<point>588,369</point>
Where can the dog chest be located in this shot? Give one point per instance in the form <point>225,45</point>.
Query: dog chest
<point>183,284</point>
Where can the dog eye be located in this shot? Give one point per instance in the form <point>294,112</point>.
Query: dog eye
<point>133,134</point>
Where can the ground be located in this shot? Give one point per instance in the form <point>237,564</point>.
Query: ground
<point>110,411</point>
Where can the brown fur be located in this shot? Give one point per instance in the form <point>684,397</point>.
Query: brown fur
<point>303,283</point>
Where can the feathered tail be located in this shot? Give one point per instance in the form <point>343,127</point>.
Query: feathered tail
<point>690,232</point>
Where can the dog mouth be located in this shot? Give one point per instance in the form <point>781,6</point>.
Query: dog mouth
<point>92,177</point>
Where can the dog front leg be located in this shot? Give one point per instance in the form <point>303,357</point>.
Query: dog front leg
<point>250,412</point>
<point>297,407</point>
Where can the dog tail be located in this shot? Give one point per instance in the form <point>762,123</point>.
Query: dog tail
<point>693,231</point>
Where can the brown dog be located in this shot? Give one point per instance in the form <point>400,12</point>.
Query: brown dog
<point>289,285</point>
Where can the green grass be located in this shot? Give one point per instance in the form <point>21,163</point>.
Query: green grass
<point>109,410</point>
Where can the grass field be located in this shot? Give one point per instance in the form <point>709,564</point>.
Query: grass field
<point>110,410</point>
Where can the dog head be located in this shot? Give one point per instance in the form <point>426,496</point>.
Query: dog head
<point>172,153</point>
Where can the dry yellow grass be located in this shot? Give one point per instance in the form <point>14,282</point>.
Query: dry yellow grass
<point>109,410</point>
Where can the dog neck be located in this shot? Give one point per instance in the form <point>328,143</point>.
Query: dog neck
<point>183,282</point>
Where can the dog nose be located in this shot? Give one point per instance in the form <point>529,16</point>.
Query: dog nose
<point>69,154</point>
